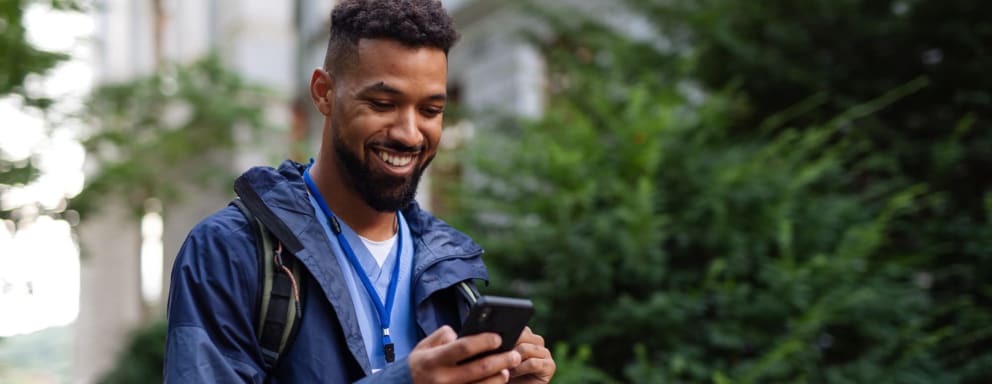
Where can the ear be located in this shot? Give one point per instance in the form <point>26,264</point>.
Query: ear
<point>322,91</point>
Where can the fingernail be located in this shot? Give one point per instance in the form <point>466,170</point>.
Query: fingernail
<point>516,357</point>
<point>506,375</point>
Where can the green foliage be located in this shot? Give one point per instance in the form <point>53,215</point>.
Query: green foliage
<point>154,131</point>
<point>784,236</point>
<point>21,60</point>
<point>575,367</point>
<point>742,257</point>
<point>849,51</point>
<point>17,173</point>
<point>142,359</point>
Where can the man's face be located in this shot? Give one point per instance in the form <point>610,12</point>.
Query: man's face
<point>386,119</point>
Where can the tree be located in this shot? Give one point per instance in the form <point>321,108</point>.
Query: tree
<point>174,125</point>
<point>846,51</point>
<point>727,238</point>
<point>153,137</point>
<point>22,59</point>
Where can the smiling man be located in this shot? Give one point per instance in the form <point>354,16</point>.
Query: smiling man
<point>378,281</point>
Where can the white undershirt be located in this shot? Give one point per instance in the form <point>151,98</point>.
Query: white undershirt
<point>379,249</point>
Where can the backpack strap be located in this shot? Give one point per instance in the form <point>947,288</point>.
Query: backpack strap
<point>469,291</point>
<point>469,295</point>
<point>279,308</point>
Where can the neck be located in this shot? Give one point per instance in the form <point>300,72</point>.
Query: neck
<point>347,204</point>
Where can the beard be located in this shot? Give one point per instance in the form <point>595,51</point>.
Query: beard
<point>381,191</point>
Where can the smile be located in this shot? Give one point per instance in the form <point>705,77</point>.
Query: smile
<point>395,159</point>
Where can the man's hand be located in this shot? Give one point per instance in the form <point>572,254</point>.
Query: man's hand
<point>537,365</point>
<point>435,359</point>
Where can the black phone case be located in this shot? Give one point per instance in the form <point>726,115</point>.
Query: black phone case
<point>503,315</point>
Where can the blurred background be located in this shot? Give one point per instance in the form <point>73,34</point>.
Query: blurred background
<point>691,191</point>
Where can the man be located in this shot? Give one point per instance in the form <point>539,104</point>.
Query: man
<point>349,218</point>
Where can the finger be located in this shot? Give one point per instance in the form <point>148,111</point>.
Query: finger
<point>466,347</point>
<point>528,336</point>
<point>488,366</point>
<point>499,378</point>
<point>542,369</point>
<point>527,331</point>
<point>443,335</point>
<point>525,335</point>
<point>529,351</point>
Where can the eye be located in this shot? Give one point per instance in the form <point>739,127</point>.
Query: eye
<point>380,105</point>
<point>432,111</point>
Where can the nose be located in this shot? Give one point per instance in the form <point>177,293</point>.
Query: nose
<point>406,130</point>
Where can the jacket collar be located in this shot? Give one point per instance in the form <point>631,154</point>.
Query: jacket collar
<point>285,193</point>
<point>443,256</point>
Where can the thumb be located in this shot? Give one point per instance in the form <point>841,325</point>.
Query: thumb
<point>442,336</point>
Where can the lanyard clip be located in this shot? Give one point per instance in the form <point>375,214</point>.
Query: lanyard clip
<point>387,346</point>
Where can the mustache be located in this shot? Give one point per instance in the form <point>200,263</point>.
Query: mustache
<point>400,147</point>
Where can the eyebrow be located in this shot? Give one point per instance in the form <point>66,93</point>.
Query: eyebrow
<point>383,88</point>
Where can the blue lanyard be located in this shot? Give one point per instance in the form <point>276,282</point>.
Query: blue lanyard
<point>384,310</point>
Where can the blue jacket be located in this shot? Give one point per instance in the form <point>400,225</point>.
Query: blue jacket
<point>215,289</point>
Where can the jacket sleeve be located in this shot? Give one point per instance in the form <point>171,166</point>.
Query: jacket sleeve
<point>212,303</point>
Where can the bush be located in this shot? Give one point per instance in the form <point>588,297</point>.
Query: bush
<point>732,240</point>
<point>142,359</point>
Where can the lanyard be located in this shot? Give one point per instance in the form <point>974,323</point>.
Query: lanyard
<point>384,311</point>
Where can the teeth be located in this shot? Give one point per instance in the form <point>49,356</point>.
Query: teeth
<point>395,160</point>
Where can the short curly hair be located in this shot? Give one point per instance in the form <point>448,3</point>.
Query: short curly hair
<point>416,23</point>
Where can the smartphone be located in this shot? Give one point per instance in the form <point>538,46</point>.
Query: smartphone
<point>506,316</point>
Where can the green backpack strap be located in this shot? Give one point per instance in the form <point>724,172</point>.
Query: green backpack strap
<point>469,295</point>
<point>469,291</point>
<point>279,308</point>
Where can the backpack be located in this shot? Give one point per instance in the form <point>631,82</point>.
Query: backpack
<point>281,281</point>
